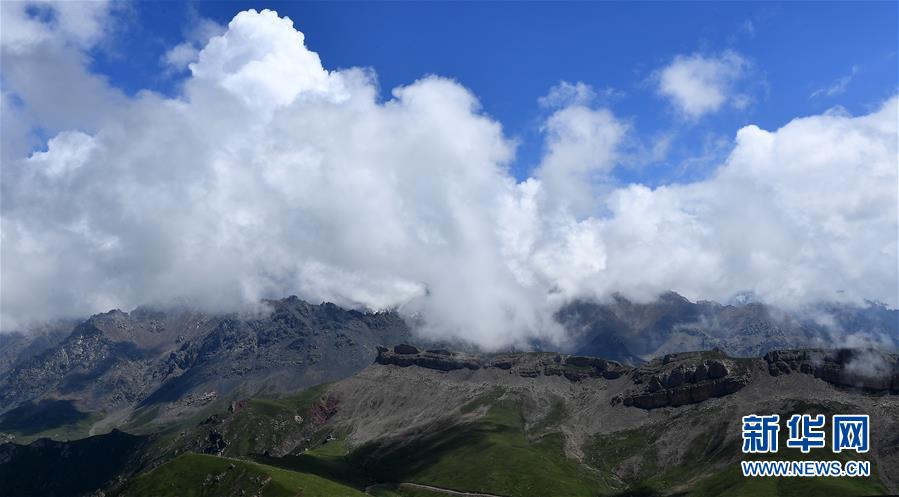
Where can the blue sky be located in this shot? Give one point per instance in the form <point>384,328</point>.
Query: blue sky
<point>509,54</point>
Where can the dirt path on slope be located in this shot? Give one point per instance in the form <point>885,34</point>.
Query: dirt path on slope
<point>447,491</point>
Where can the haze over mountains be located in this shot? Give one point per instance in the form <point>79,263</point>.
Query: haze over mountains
<point>100,373</point>
<point>413,421</point>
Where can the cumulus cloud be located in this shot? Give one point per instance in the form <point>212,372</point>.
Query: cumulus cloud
<point>804,213</point>
<point>697,85</point>
<point>271,175</point>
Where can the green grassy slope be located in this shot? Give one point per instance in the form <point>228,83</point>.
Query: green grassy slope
<point>257,425</point>
<point>54,419</point>
<point>396,491</point>
<point>329,461</point>
<point>496,453</point>
<point>196,475</point>
<point>263,422</point>
<point>491,455</point>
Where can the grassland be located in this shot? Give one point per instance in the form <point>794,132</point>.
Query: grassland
<point>495,453</point>
<point>54,419</point>
<point>491,455</point>
<point>329,461</point>
<point>197,475</point>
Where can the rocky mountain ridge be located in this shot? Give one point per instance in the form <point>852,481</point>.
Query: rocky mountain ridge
<point>673,379</point>
<point>107,369</point>
<point>181,359</point>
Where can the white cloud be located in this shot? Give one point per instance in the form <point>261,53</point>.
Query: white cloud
<point>65,153</point>
<point>263,61</point>
<point>45,78</point>
<point>180,56</point>
<point>272,175</point>
<point>25,24</point>
<point>802,214</point>
<point>581,149</point>
<point>697,85</point>
<point>838,87</point>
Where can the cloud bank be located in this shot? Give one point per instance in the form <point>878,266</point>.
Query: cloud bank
<point>271,175</point>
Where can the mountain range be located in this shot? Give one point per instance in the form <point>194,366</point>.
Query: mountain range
<point>645,399</point>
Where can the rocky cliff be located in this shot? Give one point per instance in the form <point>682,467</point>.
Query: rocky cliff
<point>182,359</point>
<point>866,369</point>
<point>673,379</point>
<point>686,378</point>
<point>527,365</point>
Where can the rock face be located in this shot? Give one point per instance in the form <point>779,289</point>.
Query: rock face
<point>215,443</point>
<point>18,347</point>
<point>527,365</point>
<point>182,358</point>
<point>687,378</point>
<point>854,368</point>
<point>577,368</point>
<point>405,349</point>
<point>673,380</point>
<point>407,355</point>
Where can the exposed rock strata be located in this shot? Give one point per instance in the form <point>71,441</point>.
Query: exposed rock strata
<point>686,378</point>
<point>673,380</point>
<point>574,368</point>
<point>855,368</point>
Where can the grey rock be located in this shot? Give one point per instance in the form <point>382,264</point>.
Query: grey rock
<point>405,349</point>
<point>717,369</point>
<point>685,378</point>
<point>865,369</point>
<point>175,357</point>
